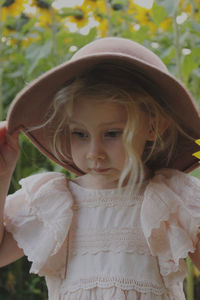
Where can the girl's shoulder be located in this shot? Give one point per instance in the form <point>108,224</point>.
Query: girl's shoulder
<point>171,193</point>
<point>43,180</point>
<point>170,219</point>
<point>174,181</point>
<point>39,216</point>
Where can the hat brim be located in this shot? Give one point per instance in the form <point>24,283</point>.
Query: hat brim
<point>31,104</point>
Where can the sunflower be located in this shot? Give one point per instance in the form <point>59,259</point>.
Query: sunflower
<point>43,10</point>
<point>166,24</point>
<point>142,16</point>
<point>100,15</point>
<point>12,8</point>
<point>101,12</point>
<point>186,7</point>
<point>91,4</point>
<point>42,4</point>
<point>80,16</point>
<point>103,28</point>
<point>101,6</point>
<point>44,18</point>
<point>197,154</point>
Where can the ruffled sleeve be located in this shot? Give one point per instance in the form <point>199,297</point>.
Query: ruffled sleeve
<point>39,216</point>
<point>170,218</point>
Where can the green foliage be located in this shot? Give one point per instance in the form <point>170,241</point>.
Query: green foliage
<point>159,13</point>
<point>170,6</point>
<point>28,49</point>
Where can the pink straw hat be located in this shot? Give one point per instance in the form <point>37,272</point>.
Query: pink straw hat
<point>31,104</point>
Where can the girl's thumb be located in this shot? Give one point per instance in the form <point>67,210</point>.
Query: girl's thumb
<point>13,139</point>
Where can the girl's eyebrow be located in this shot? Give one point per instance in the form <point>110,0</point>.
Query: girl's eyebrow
<point>71,121</point>
<point>115,122</point>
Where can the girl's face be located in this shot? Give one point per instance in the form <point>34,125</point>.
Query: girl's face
<point>97,148</point>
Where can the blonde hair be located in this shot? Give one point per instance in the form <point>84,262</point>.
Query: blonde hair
<point>120,84</point>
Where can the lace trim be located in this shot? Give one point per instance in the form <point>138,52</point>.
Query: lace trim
<point>110,197</point>
<point>107,282</point>
<point>130,240</point>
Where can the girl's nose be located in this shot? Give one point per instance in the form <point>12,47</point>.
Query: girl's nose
<point>96,156</point>
<point>96,152</point>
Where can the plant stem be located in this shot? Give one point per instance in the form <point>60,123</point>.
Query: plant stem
<point>108,8</point>
<point>177,47</point>
<point>190,281</point>
<point>54,31</point>
<point>192,19</point>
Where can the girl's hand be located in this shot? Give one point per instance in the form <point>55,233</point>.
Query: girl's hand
<point>9,150</point>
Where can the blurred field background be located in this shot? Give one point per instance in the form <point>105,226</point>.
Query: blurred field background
<point>36,35</point>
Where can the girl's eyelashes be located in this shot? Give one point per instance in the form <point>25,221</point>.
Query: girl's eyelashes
<point>113,133</point>
<point>109,134</point>
<point>80,134</point>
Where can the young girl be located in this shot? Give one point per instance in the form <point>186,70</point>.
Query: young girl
<point>121,229</point>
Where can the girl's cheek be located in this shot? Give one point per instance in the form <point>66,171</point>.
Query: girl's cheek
<point>76,142</point>
<point>115,144</point>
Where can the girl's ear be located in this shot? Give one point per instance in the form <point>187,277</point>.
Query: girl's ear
<point>157,129</point>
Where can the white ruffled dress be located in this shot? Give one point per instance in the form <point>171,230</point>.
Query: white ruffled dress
<point>94,245</point>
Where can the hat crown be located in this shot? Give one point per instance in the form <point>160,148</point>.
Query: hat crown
<point>121,46</point>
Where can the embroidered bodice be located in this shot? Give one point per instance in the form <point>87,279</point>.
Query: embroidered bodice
<point>99,243</point>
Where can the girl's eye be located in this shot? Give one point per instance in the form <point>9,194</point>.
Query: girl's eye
<point>80,134</point>
<point>113,133</point>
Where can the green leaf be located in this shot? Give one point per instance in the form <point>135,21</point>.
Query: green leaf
<point>2,2</point>
<point>169,5</point>
<point>17,73</point>
<point>188,66</point>
<point>36,52</point>
<point>139,36</point>
<point>168,55</point>
<point>159,13</point>
<point>196,173</point>
<point>71,12</point>
<point>29,25</point>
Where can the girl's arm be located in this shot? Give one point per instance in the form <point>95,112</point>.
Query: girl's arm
<point>9,150</point>
<point>195,257</point>
<point>9,250</point>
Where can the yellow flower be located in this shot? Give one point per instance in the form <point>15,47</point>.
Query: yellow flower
<point>43,11</point>
<point>100,14</point>
<point>142,16</point>
<point>81,17</point>
<point>95,5</point>
<point>165,25</point>
<point>132,8</point>
<point>101,6</point>
<point>91,4</point>
<point>197,154</point>
<point>186,7</point>
<point>12,8</point>
<point>103,28</point>
<point>42,4</point>
<point>44,17</point>
<point>196,272</point>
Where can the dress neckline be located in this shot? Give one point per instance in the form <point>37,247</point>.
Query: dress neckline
<point>105,197</point>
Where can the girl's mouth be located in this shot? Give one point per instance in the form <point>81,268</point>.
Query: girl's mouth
<point>100,170</point>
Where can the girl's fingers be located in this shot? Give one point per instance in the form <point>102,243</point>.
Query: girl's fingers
<point>3,130</point>
<point>13,139</point>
